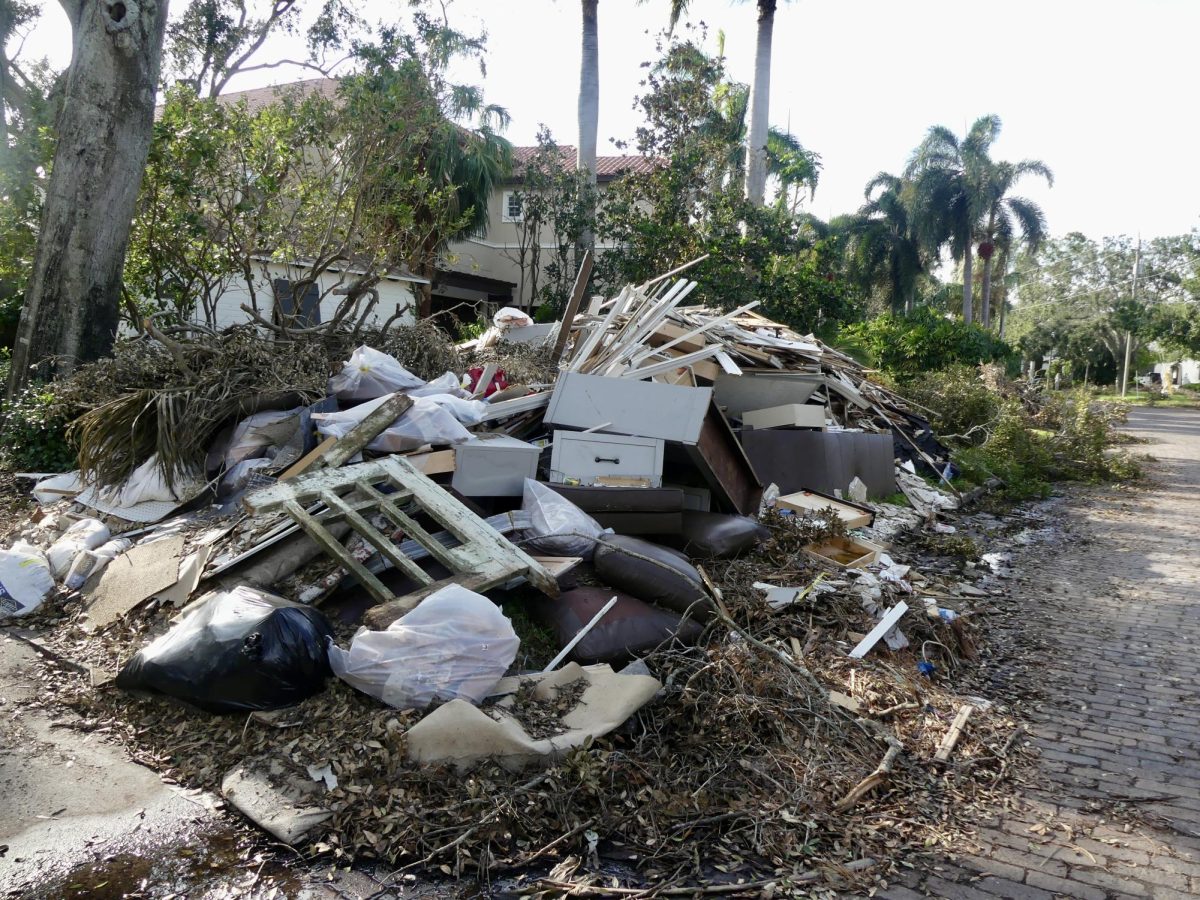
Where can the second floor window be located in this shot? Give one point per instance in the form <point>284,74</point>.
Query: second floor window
<point>512,206</point>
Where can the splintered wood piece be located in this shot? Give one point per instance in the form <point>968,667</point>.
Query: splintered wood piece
<point>306,462</point>
<point>946,747</point>
<point>367,430</point>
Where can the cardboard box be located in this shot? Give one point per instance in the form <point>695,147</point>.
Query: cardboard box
<point>844,552</point>
<point>803,415</point>
<point>853,515</point>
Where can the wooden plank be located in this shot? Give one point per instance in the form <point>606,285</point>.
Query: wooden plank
<point>671,365</point>
<point>558,566</point>
<point>506,408</point>
<point>698,330</point>
<point>433,462</point>
<point>483,560</point>
<point>305,462</point>
<point>728,366</point>
<point>876,634</point>
<point>946,747</point>
<point>719,456</point>
<point>379,541</point>
<point>572,308</point>
<point>357,438</point>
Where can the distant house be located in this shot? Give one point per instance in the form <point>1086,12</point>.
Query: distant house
<point>1180,372</point>
<point>270,286</point>
<point>486,269</point>
<point>477,276</point>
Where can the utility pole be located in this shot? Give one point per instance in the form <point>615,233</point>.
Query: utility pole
<point>1137,264</point>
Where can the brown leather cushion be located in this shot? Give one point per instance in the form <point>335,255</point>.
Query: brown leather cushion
<point>656,574</point>
<point>630,629</point>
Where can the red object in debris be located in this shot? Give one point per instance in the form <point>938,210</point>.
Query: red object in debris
<point>499,381</point>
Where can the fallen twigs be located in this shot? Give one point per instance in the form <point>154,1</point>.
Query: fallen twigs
<point>876,778</point>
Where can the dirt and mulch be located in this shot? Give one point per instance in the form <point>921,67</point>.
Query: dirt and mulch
<point>745,770</point>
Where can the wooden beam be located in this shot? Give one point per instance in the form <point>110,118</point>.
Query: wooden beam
<point>357,438</point>
<point>946,747</point>
<point>568,319</point>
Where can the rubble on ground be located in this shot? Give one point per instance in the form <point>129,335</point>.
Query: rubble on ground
<point>446,524</point>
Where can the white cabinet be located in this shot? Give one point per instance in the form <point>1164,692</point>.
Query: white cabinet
<point>585,457</point>
<point>623,406</point>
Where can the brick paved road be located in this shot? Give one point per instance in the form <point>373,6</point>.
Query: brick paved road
<point>1119,813</point>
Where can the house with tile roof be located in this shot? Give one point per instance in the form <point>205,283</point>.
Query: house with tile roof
<point>485,271</point>
<point>477,275</point>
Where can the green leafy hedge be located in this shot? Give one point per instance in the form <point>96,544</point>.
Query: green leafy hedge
<point>923,341</point>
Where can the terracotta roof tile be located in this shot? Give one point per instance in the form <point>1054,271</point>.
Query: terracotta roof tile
<point>606,166</point>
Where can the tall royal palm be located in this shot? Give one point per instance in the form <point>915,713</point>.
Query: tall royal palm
<point>589,101</point>
<point>950,183</point>
<point>760,97</point>
<point>1005,216</point>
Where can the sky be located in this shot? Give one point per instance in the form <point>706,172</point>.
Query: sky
<point>1098,89</point>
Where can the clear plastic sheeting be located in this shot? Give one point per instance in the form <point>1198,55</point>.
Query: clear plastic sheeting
<point>559,527</point>
<point>25,579</point>
<point>426,422</point>
<point>456,645</point>
<point>371,373</point>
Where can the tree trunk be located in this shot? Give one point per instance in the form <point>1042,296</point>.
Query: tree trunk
<point>760,98</point>
<point>986,294</point>
<point>589,110</point>
<point>72,304</point>
<point>969,284</point>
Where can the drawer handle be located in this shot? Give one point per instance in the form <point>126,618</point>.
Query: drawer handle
<point>615,460</point>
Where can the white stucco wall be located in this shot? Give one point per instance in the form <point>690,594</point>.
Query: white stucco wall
<point>1189,370</point>
<point>393,294</point>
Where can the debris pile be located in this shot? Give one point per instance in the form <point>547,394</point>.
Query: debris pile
<point>620,588</point>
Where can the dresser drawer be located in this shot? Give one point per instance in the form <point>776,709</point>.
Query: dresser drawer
<point>583,458</point>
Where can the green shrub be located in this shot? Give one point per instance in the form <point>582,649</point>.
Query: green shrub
<point>962,405</point>
<point>33,433</point>
<point>1194,387</point>
<point>924,341</point>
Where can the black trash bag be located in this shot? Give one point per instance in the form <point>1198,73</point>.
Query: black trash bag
<point>241,650</point>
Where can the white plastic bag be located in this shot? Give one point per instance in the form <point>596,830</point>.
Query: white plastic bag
<point>25,579</point>
<point>86,534</point>
<point>425,422</point>
<point>469,412</point>
<point>446,383</point>
<point>371,373</point>
<point>255,434</point>
<point>560,528</point>
<point>456,645</point>
<point>91,562</point>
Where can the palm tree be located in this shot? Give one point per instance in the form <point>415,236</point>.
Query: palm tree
<point>882,250</point>
<point>589,103</point>
<point>951,192</point>
<point>756,152</point>
<point>1007,215</point>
